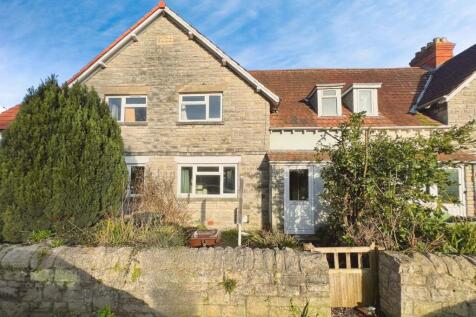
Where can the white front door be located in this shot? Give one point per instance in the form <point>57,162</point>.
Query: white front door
<point>298,200</point>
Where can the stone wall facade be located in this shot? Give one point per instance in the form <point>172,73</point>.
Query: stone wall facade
<point>38,281</point>
<point>164,63</point>
<point>427,285</point>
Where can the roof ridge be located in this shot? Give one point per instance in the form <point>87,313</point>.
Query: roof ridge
<point>337,68</point>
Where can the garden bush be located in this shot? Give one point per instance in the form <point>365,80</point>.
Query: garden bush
<point>61,162</point>
<point>375,187</point>
<point>460,238</point>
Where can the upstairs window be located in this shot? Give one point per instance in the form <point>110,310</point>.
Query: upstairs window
<point>363,98</point>
<point>200,108</point>
<point>128,109</point>
<point>326,99</point>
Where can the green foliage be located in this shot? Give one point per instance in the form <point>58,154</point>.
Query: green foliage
<point>57,242</point>
<point>126,232</point>
<point>61,162</point>
<point>374,188</point>
<point>298,312</point>
<point>461,238</point>
<point>135,274</point>
<point>259,239</point>
<point>37,236</point>
<point>267,239</point>
<point>106,311</point>
<point>229,284</point>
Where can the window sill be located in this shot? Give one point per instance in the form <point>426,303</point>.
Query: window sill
<point>202,198</point>
<point>132,124</point>
<point>200,123</point>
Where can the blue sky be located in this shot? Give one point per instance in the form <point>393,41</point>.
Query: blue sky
<point>41,37</point>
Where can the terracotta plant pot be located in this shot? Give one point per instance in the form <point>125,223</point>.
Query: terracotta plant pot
<point>204,238</point>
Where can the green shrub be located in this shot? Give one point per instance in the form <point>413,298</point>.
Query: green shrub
<point>460,238</point>
<point>267,239</point>
<point>229,284</point>
<point>125,232</point>
<point>61,162</point>
<point>229,238</point>
<point>37,236</point>
<point>106,311</point>
<point>374,185</point>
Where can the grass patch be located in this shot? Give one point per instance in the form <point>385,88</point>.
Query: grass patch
<point>37,236</point>
<point>136,274</point>
<point>125,232</point>
<point>106,311</point>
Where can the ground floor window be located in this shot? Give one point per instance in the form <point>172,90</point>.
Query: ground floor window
<point>207,179</point>
<point>453,193</point>
<point>136,166</point>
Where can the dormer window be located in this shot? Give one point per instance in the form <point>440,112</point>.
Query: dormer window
<point>362,98</point>
<point>327,100</point>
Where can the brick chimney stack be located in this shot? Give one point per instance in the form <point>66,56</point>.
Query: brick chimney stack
<point>433,54</point>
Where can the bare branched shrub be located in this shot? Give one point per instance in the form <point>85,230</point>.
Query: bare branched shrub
<point>156,198</point>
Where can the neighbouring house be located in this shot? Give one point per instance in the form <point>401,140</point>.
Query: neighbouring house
<point>190,111</point>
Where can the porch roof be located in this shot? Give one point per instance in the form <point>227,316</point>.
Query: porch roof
<point>310,156</point>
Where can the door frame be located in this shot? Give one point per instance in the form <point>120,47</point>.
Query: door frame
<point>311,171</point>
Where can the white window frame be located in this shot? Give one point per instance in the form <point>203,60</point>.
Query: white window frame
<point>455,209</point>
<point>207,106</point>
<point>194,167</point>
<point>374,101</point>
<point>134,161</point>
<point>320,97</point>
<point>123,105</point>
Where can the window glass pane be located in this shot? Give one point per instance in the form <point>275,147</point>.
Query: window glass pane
<point>228,180</point>
<point>115,107</point>
<point>451,193</point>
<point>207,184</point>
<point>141,114</point>
<point>328,92</point>
<point>365,101</point>
<point>208,169</point>
<point>137,179</point>
<point>136,100</point>
<point>215,107</point>
<point>298,184</point>
<point>193,98</point>
<point>186,180</point>
<point>329,106</point>
<point>194,112</point>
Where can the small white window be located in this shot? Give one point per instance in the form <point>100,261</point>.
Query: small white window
<point>453,196</point>
<point>329,102</point>
<point>366,101</point>
<point>362,98</point>
<point>128,108</point>
<point>207,180</point>
<point>202,107</point>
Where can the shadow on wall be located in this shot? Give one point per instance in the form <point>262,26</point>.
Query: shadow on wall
<point>463,309</point>
<point>36,280</point>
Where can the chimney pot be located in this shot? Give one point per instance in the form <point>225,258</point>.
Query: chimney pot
<point>435,53</point>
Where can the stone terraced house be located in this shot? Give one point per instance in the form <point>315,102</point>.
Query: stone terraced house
<point>189,111</point>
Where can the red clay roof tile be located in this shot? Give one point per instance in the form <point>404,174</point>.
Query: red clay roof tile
<point>7,117</point>
<point>400,88</point>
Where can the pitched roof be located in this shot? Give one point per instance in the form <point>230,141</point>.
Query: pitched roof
<point>162,9</point>
<point>449,76</point>
<point>8,116</point>
<point>400,87</point>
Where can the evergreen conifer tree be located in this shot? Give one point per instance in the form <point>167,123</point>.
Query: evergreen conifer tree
<point>61,162</point>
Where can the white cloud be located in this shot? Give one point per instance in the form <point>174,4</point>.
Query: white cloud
<point>40,38</point>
